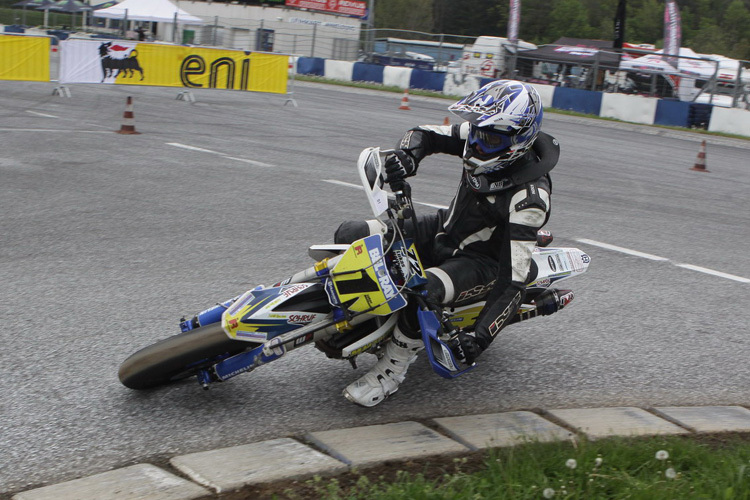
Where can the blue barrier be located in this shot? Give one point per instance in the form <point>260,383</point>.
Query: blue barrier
<point>672,113</point>
<point>669,112</point>
<point>427,80</point>
<point>311,66</point>
<point>364,72</point>
<point>699,115</point>
<point>581,101</point>
<point>485,81</point>
<point>14,28</point>
<point>61,35</point>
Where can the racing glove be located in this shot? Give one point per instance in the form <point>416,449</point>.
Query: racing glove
<point>465,347</point>
<point>400,165</point>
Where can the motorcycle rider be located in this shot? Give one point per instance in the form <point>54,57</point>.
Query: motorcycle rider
<point>481,245</point>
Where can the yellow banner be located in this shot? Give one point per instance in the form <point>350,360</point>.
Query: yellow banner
<point>194,67</point>
<point>24,58</point>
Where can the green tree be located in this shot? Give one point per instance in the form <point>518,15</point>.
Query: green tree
<point>646,23</point>
<point>535,21</point>
<point>415,15</point>
<point>736,26</point>
<point>570,18</point>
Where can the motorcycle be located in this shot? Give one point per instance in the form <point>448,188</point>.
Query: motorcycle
<point>346,304</point>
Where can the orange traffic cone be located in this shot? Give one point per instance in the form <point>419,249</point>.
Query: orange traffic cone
<point>447,121</point>
<point>128,120</point>
<point>700,162</point>
<point>405,101</point>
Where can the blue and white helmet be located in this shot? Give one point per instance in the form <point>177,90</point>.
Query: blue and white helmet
<point>504,120</point>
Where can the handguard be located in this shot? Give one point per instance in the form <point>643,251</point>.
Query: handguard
<point>443,362</point>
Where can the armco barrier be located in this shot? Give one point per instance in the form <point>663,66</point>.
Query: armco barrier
<point>699,115</point>
<point>364,72</point>
<point>397,76</point>
<point>547,93</point>
<point>672,113</point>
<point>339,70</point>
<point>629,108</point>
<point>311,66</point>
<point>581,101</point>
<point>460,85</point>
<point>730,120</point>
<point>427,80</point>
<point>635,109</point>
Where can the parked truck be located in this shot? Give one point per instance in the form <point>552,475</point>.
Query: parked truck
<point>488,56</point>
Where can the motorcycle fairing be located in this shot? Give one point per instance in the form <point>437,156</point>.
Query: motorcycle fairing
<point>555,264</point>
<point>408,262</point>
<point>361,279</point>
<point>254,316</point>
<point>465,316</point>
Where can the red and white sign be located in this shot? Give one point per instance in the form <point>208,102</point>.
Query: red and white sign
<point>345,7</point>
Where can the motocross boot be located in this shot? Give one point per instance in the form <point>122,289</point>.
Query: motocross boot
<point>384,378</point>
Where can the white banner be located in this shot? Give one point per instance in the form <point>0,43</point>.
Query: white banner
<point>672,32</point>
<point>94,61</point>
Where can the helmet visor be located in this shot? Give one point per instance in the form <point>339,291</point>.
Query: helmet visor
<point>487,143</point>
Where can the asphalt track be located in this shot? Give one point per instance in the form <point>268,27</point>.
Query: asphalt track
<point>106,240</point>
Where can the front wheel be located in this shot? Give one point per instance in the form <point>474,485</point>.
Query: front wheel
<point>179,357</point>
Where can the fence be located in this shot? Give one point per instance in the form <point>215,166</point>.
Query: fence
<point>711,80</point>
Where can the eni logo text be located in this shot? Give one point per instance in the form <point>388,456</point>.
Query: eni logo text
<point>195,65</point>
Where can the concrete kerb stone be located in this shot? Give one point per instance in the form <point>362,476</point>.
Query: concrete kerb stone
<point>286,458</point>
<point>598,423</point>
<point>502,429</point>
<point>704,419</point>
<point>374,444</point>
<point>232,468</point>
<point>137,482</point>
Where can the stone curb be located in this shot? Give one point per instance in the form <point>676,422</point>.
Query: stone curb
<point>328,453</point>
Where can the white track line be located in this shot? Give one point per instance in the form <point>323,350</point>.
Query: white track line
<point>714,273</point>
<point>210,151</point>
<point>251,162</point>
<point>192,148</point>
<point>621,249</point>
<point>600,244</point>
<point>636,253</point>
<point>41,114</point>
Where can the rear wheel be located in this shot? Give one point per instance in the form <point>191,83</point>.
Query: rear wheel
<point>179,357</point>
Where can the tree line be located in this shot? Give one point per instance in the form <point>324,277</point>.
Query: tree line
<point>708,26</point>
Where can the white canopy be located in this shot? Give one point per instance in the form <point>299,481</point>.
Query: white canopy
<point>158,11</point>
<point>695,67</point>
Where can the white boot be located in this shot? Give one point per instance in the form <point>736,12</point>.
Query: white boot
<point>390,370</point>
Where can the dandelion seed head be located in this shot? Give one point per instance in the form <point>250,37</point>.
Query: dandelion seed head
<point>548,493</point>
<point>571,463</point>
<point>598,461</point>
<point>662,455</point>
<point>670,473</point>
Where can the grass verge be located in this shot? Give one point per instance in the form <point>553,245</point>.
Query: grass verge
<point>658,468</point>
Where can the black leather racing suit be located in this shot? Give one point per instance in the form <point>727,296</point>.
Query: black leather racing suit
<point>480,246</point>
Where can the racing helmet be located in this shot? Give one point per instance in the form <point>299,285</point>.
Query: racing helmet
<point>504,120</point>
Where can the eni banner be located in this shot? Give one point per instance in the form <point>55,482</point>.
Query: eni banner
<point>24,58</point>
<point>125,62</point>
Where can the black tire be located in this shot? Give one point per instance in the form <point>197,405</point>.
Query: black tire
<point>178,357</point>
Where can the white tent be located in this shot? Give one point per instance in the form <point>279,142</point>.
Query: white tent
<point>157,11</point>
<point>698,66</point>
